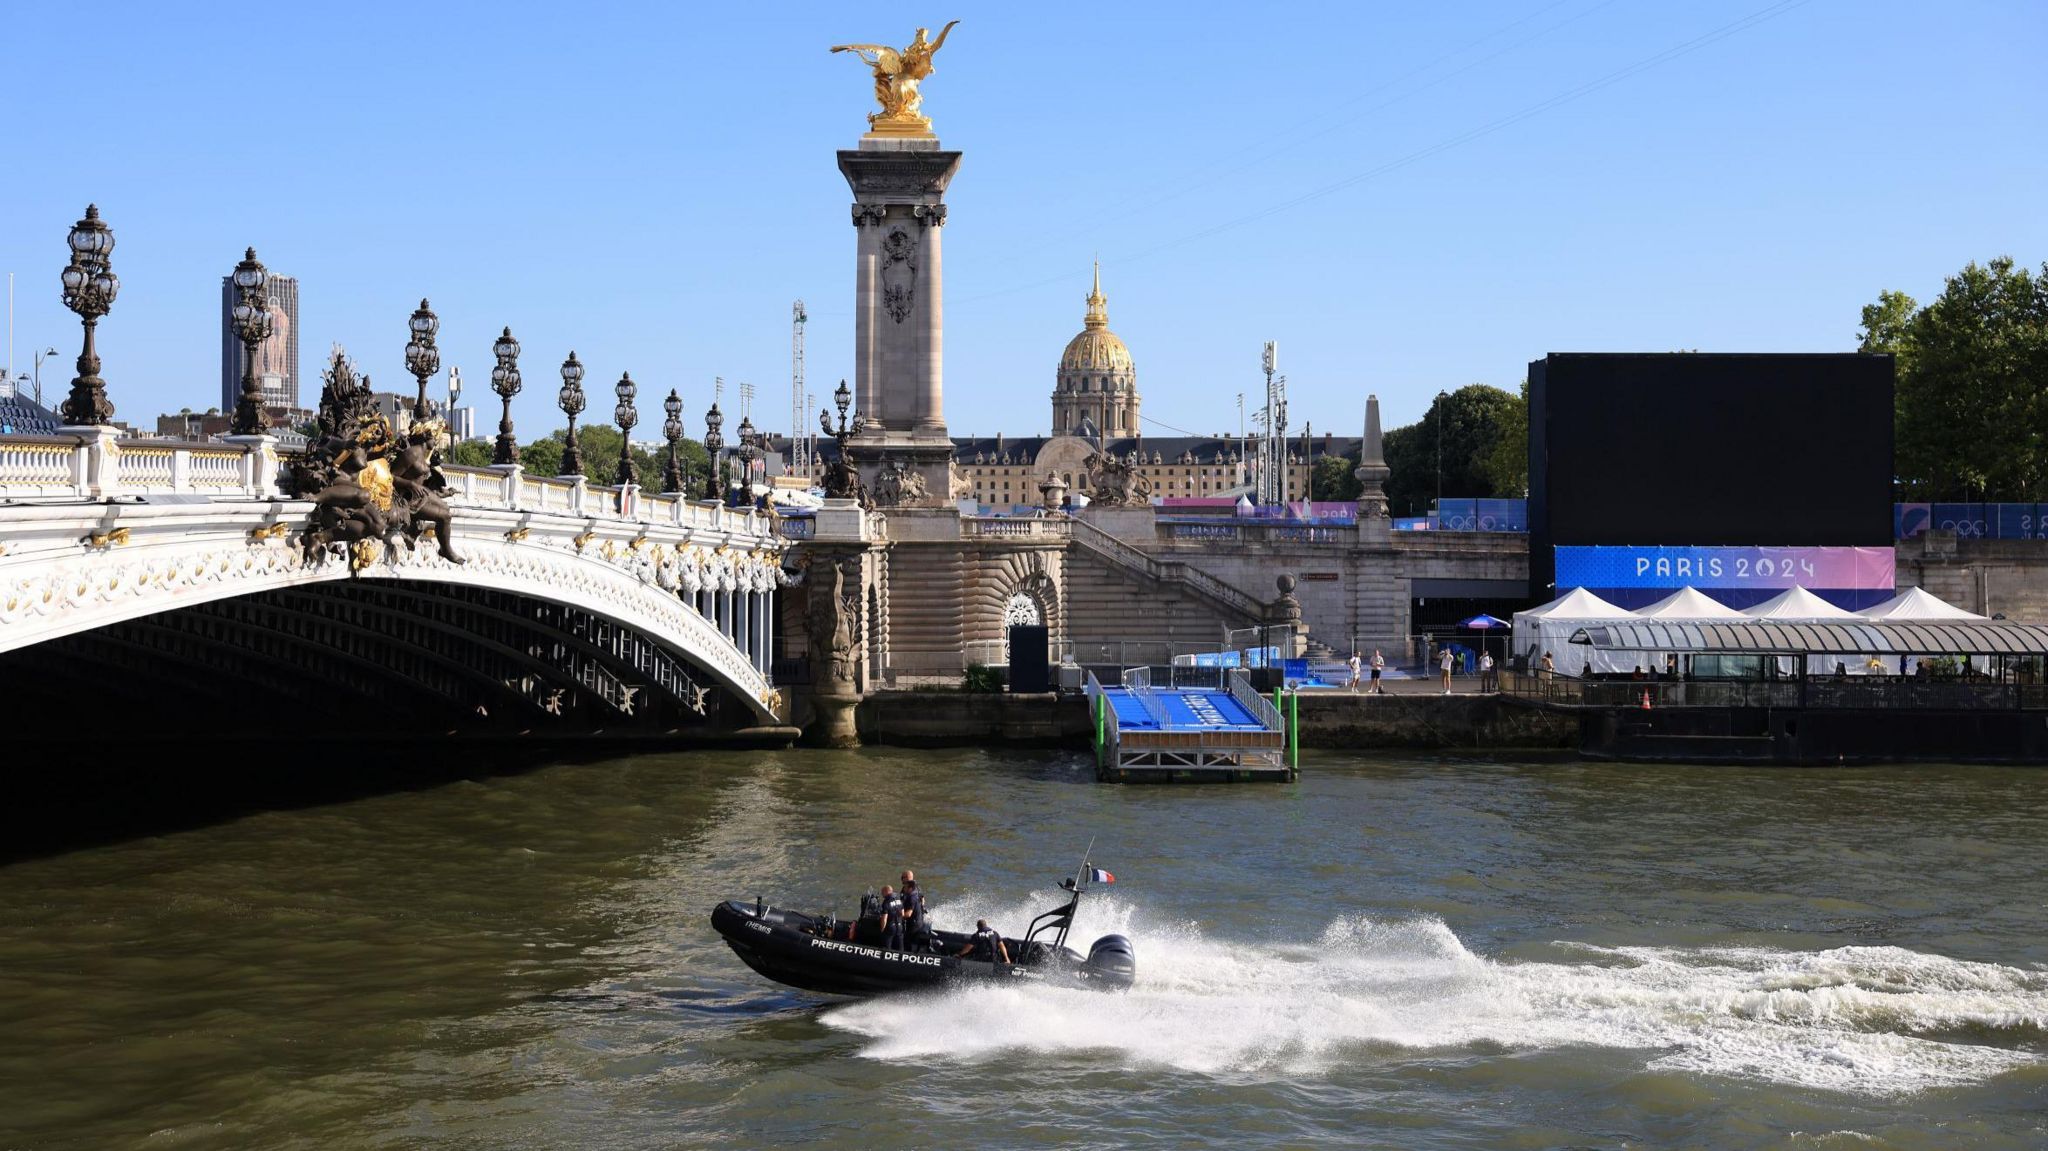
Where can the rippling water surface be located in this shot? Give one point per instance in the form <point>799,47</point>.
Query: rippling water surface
<point>1391,953</point>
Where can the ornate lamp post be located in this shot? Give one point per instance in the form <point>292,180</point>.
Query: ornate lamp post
<point>505,381</point>
<point>748,451</point>
<point>251,319</point>
<point>714,442</point>
<point>842,480</point>
<point>89,289</point>
<point>672,430</point>
<point>570,400</point>
<point>626,416</point>
<point>422,358</point>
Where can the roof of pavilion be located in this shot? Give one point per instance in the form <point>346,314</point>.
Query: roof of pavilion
<point>1922,637</point>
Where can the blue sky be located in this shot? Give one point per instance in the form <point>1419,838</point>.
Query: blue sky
<point>1407,197</point>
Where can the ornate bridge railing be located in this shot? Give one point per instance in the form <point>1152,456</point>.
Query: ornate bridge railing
<point>65,468</point>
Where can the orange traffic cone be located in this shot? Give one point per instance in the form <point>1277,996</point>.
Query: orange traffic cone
<point>1646,699</point>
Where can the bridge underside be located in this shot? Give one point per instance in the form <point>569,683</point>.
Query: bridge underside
<point>357,658</point>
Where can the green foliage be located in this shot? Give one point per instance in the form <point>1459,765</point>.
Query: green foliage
<point>982,679</point>
<point>470,454</point>
<point>1972,387</point>
<point>1334,480</point>
<point>1507,461</point>
<point>1476,420</point>
<point>599,445</point>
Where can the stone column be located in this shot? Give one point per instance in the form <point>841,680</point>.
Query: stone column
<point>899,213</point>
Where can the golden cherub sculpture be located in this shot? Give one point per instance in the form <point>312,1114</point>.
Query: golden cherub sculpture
<point>896,77</point>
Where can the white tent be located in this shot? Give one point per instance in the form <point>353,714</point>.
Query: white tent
<point>1689,603</point>
<point>1797,605</point>
<point>1913,604</point>
<point>1550,627</point>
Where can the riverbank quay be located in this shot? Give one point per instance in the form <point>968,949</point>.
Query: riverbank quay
<point>1328,720</point>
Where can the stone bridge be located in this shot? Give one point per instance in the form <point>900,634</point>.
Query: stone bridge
<point>164,577</point>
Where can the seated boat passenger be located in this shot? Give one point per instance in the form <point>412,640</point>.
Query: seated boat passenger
<point>986,943</point>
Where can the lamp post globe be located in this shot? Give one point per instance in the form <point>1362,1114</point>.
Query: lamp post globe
<point>422,358</point>
<point>90,286</point>
<point>672,430</point>
<point>626,416</point>
<point>506,382</point>
<point>251,320</point>
<point>570,400</point>
<point>714,443</point>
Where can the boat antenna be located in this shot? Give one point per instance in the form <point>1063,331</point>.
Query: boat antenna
<point>1079,871</point>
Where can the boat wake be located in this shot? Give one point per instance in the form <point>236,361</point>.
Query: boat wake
<point>1870,1020</point>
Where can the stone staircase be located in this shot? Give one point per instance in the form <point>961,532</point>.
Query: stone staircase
<point>1228,602</point>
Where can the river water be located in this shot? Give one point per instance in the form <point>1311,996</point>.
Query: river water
<point>1396,953</point>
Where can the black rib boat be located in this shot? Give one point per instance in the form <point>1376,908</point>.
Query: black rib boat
<point>845,957</point>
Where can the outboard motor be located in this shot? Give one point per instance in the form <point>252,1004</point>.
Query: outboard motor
<point>1112,961</point>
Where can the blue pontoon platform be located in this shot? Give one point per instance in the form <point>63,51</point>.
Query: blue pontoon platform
<point>1197,725</point>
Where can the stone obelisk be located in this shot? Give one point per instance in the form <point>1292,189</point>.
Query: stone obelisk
<point>1372,473</point>
<point>899,175</point>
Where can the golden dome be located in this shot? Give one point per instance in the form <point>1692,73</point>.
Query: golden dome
<point>1096,349</point>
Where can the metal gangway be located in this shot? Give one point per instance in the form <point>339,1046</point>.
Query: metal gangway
<point>1190,724</point>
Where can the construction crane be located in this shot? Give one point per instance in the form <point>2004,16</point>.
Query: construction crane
<point>799,400</point>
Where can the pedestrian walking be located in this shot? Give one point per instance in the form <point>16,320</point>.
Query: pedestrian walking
<point>1487,681</point>
<point>1444,662</point>
<point>1354,671</point>
<point>1379,664</point>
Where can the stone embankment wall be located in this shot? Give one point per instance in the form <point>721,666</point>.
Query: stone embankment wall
<point>973,719</point>
<point>1328,720</point>
<point>1989,577</point>
<point>1364,722</point>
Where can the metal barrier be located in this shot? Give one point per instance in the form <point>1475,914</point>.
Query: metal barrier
<point>1860,693</point>
<point>1258,705</point>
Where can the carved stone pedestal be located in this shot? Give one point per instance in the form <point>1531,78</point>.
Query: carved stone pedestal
<point>832,721</point>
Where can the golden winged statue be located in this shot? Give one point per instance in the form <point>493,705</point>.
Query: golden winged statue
<point>896,77</point>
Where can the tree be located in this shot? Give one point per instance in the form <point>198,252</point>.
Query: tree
<point>1334,480</point>
<point>1507,461</point>
<point>470,454</point>
<point>1475,420</point>
<point>599,445</point>
<point>1886,326</point>
<point>1971,395</point>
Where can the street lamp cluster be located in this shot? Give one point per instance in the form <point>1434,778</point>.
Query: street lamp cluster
<point>90,286</point>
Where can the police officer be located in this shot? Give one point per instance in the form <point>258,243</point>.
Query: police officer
<point>986,943</point>
<point>892,919</point>
<point>919,930</point>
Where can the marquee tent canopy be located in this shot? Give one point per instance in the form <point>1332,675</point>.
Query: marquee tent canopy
<point>1797,604</point>
<point>1914,604</point>
<point>1688,603</point>
<point>1549,628</point>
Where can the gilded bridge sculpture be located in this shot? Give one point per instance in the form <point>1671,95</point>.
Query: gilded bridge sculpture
<point>368,487</point>
<point>896,78</point>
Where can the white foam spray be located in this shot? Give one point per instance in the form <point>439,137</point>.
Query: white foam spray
<point>1869,1020</point>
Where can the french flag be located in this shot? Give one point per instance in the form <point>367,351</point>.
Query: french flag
<point>1097,875</point>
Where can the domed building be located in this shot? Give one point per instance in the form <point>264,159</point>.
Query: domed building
<point>1097,380</point>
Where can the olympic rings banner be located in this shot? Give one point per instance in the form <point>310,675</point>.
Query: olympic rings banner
<point>1813,568</point>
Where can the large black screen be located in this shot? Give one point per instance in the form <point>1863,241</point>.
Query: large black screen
<point>1702,449</point>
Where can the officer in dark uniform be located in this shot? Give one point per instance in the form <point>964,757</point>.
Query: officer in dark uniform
<point>920,931</point>
<point>892,919</point>
<point>986,943</point>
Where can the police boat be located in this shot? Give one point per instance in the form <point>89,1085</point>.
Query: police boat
<point>847,957</point>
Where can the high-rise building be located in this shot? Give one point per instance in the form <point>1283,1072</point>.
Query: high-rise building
<point>277,358</point>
